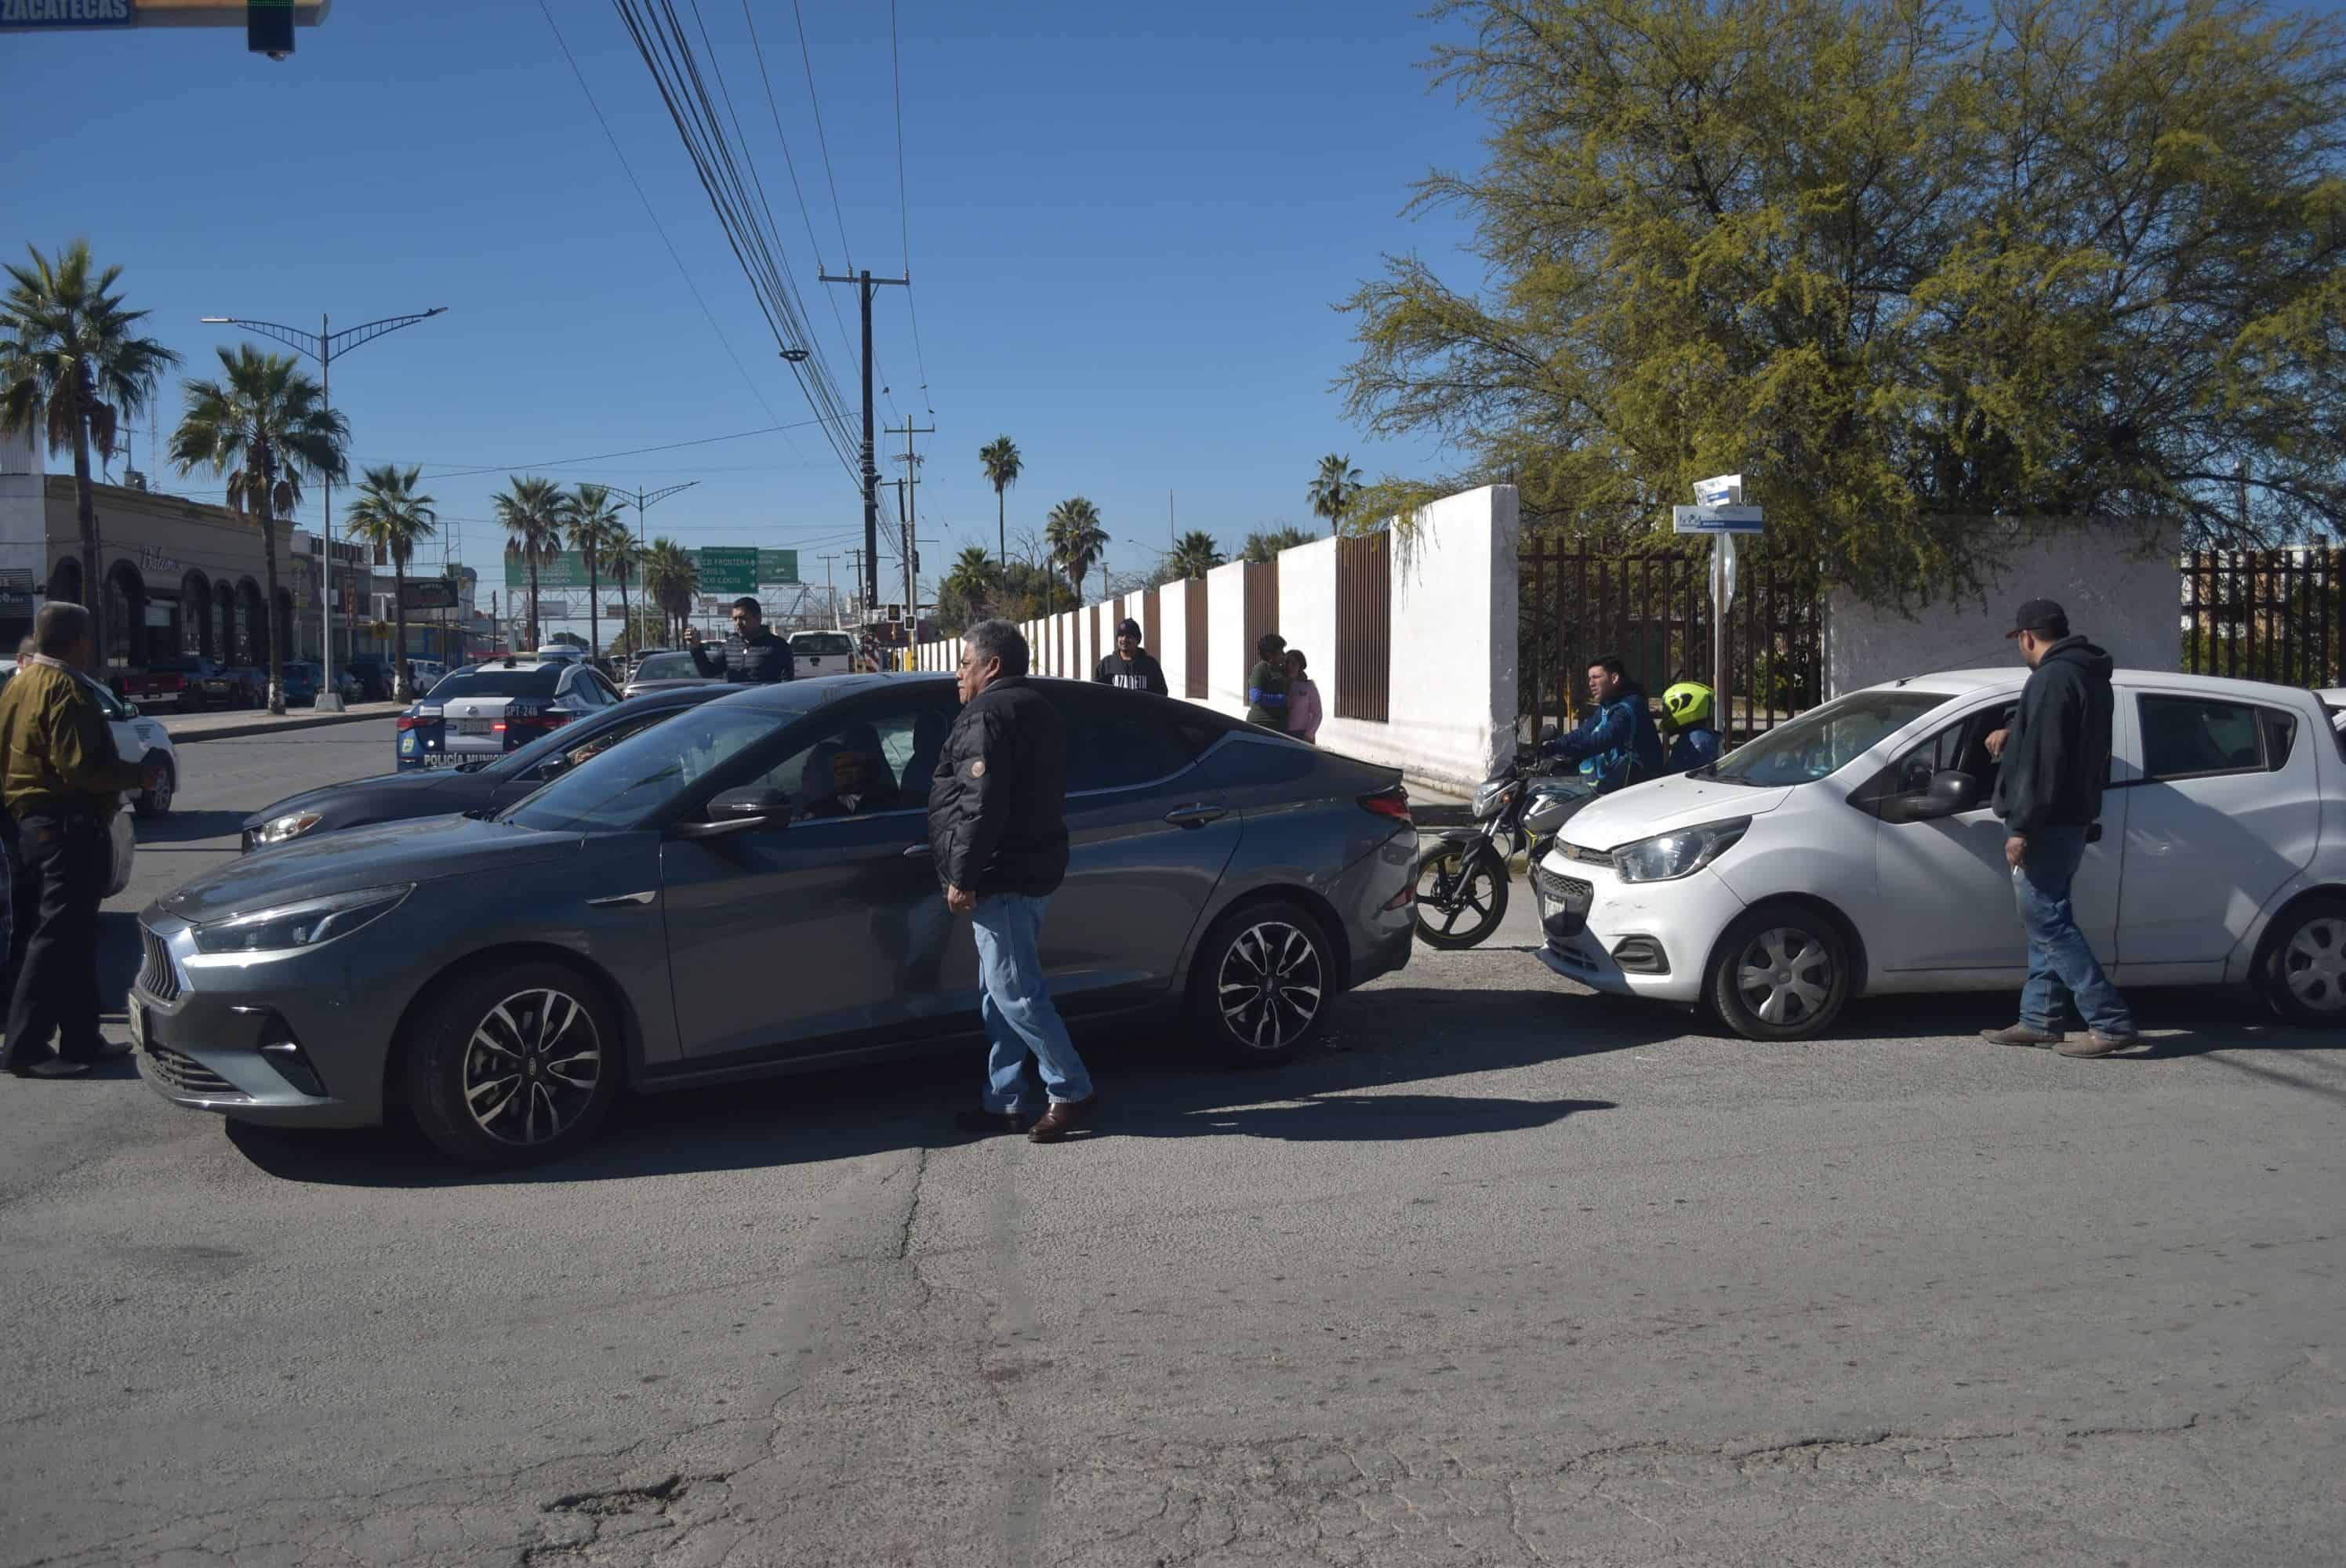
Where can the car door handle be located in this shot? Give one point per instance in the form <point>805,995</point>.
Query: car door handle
<point>916,851</point>
<point>618,899</point>
<point>1196,816</point>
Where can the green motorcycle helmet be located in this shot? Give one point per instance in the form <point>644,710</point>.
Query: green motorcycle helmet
<point>1686,706</point>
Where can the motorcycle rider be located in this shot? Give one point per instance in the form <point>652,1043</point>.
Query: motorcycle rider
<point>1617,744</point>
<point>1687,717</point>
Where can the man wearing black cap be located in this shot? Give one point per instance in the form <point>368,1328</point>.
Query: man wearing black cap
<point>1131,666</point>
<point>2048,791</point>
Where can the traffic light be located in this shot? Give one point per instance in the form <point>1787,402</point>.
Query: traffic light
<point>269,28</point>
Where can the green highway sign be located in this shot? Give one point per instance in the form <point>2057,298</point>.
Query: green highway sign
<point>778,569</point>
<point>727,570</point>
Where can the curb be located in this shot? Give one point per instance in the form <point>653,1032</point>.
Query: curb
<point>271,725</point>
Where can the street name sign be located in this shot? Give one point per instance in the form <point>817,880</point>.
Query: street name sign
<point>1717,520</point>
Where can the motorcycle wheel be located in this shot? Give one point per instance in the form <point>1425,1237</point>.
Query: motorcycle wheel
<point>1454,888</point>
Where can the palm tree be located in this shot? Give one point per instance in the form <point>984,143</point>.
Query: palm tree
<point>68,349</point>
<point>390,515</point>
<point>1078,540</point>
<point>531,511</point>
<point>1263,544</point>
<point>672,579</point>
<point>1003,466</point>
<point>1334,488</point>
<point>271,421</point>
<point>1196,554</point>
<point>623,558</point>
<point>592,520</point>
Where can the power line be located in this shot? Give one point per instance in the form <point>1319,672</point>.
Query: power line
<point>631,451</point>
<point>723,342</point>
<point>904,218</point>
<point>774,108</point>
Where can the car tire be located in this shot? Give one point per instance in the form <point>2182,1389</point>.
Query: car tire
<point>545,1020</point>
<point>153,803</point>
<point>1442,930</point>
<point>1277,943</point>
<point>2302,971</point>
<point>1779,972</point>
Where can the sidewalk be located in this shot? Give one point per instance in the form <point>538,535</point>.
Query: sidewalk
<point>187,729</point>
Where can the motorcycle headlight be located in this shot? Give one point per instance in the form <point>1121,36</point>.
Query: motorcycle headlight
<point>1491,797</point>
<point>1668,856</point>
<point>291,825</point>
<point>313,923</point>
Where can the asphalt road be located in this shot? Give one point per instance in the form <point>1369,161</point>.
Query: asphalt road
<point>1507,1275</point>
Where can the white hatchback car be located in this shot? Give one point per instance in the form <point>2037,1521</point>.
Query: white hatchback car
<point>1850,851</point>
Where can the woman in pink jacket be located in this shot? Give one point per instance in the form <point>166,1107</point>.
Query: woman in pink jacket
<point>1303,700</point>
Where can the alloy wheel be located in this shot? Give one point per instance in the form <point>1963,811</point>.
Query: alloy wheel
<point>532,1067</point>
<point>2313,965</point>
<point>1269,986</point>
<point>1784,976</point>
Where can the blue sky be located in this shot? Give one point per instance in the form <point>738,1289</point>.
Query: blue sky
<point>1127,228</point>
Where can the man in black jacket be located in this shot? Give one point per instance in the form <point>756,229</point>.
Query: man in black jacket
<point>998,830</point>
<point>1131,666</point>
<point>752,656</point>
<point>2048,790</point>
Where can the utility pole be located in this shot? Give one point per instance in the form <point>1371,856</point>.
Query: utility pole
<point>865,283</point>
<point>325,345</point>
<point>911,511</point>
<point>830,587</point>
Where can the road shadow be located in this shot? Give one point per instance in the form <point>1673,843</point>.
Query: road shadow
<point>189,827</point>
<point>1160,1082</point>
<point>2180,1021</point>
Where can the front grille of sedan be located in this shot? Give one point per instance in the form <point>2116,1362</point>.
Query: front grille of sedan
<point>158,977</point>
<point>1558,890</point>
<point>190,1076</point>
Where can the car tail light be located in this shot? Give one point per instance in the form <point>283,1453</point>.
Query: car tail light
<point>1404,899</point>
<point>1392,802</point>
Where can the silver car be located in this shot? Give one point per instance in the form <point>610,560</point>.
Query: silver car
<point>746,890</point>
<point>665,671</point>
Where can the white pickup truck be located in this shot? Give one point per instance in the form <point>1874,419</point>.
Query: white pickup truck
<point>822,653</point>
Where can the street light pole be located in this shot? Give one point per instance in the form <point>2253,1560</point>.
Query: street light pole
<point>323,345</point>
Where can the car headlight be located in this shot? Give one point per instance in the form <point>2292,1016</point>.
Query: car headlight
<point>1668,856</point>
<point>291,825</point>
<point>312,922</point>
<point>1491,796</point>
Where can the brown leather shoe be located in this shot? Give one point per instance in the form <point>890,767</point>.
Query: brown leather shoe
<point>991,1120</point>
<point>2096,1044</point>
<point>2021,1034</point>
<point>1063,1118</point>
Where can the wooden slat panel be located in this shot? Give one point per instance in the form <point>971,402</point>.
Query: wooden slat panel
<point>1195,654</point>
<point>1363,652</point>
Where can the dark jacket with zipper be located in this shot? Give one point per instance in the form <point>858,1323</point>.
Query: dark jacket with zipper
<point>998,805</point>
<point>760,660</point>
<point>2057,754</point>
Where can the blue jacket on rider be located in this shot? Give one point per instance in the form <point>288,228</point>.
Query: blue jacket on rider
<point>1693,748</point>
<point>1616,745</point>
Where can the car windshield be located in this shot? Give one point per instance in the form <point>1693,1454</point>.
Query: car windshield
<point>647,770</point>
<point>823,643</point>
<point>666,667</point>
<point>498,681</point>
<point>1826,739</point>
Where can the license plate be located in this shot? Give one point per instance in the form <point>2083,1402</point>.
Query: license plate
<point>138,1016</point>
<point>477,726</point>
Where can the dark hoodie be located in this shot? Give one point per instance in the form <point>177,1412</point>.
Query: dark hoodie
<point>2058,754</point>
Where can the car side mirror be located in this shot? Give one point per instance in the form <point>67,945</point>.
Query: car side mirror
<point>1548,732</point>
<point>739,812</point>
<point>135,710</point>
<point>1950,792</point>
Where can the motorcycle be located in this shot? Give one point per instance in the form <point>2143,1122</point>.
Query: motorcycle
<point>1518,810</point>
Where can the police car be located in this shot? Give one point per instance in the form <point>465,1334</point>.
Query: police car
<point>484,711</point>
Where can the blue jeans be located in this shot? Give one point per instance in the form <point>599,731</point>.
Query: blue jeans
<point>1019,1017</point>
<point>2058,957</point>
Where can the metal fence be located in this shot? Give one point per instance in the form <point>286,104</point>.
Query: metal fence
<point>2266,615</point>
<point>1654,609</point>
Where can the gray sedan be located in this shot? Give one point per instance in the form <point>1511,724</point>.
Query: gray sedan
<point>746,890</point>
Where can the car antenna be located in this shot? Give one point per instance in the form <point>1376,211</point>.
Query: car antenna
<point>1940,669</point>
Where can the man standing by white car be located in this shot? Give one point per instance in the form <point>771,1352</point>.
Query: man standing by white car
<point>2055,757</point>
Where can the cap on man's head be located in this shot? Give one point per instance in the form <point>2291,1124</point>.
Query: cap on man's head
<point>2043,616</point>
<point>1128,628</point>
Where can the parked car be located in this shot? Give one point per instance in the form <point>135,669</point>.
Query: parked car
<point>163,680</point>
<point>822,653</point>
<point>666,671</point>
<point>1852,852</point>
<point>206,683</point>
<point>303,684</point>
<point>746,890</point>
<point>483,711</point>
<point>137,738</point>
<point>423,674</point>
<point>372,673</point>
<point>471,786</point>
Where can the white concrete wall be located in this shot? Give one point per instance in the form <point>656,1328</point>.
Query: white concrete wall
<point>2128,602</point>
<point>24,504</point>
<point>1452,681</point>
<point>1225,624</point>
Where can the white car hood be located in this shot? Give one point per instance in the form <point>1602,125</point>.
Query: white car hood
<point>1642,811</point>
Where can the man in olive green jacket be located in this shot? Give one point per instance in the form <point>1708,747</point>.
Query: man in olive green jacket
<point>62,783</point>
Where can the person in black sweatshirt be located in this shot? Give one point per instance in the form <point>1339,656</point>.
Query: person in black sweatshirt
<point>2053,762</point>
<point>1131,666</point>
